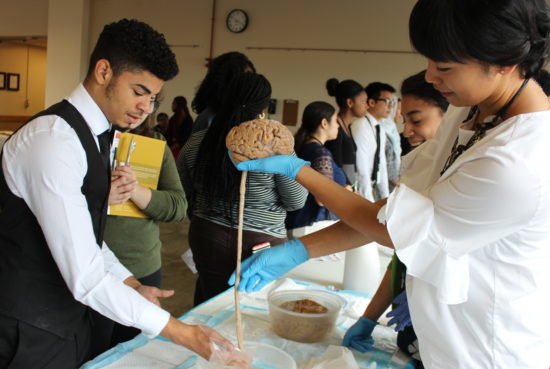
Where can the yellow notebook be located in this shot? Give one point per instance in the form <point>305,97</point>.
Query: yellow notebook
<point>144,155</point>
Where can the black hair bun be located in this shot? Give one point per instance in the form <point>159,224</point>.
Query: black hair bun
<point>331,85</point>
<point>539,46</point>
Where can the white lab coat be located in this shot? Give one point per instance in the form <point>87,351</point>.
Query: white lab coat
<point>476,243</point>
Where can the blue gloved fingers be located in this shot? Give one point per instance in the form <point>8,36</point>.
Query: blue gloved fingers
<point>250,265</point>
<point>358,342</point>
<point>362,345</point>
<point>402,325</point>
<point>246,270</point>
<point>249,272</point>
<point>368,344</point>
<point>398,314</point>
<point>393,320</point>
<point>287,165</point>
<point>357,347</point>
<point>394,313</point>
<point>402,308</point>
<point>358,336</point>
<point>401,298</point>
<point>346,341</point>
<point>261,284</point>
<point>250,283</point>
<point>270,264</point>
<point>244,282</point>
<point>401,315</point>
<point>251,165</point>
<point>231,157</point>
<point>231,280</point>
<point>349,336</point>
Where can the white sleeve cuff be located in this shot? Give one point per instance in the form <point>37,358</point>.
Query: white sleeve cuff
<point>112,298</point>
<point>153,320</point>
<point>409,217</point>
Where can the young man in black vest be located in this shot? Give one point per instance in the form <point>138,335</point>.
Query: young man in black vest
<point>54,183</point>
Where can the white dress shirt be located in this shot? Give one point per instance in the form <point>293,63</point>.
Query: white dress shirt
<point>476,245</point>
<point>45,164</point>
<point>363,131</point>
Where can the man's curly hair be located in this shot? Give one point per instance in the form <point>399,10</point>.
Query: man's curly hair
<point>133,45</point>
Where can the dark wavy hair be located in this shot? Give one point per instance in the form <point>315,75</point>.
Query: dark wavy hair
<point>494,32</point>
<point>417,86</point>
<point>133,45</point>
<point>342,91</point>
<point>223,68</point>
<point>313,115</point>
<point>247,96</point>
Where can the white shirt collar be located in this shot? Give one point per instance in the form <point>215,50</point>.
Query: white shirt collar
<point>372,119</point>
<point>83,102</point>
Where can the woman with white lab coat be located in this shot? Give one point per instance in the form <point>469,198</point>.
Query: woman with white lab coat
<point>471,219</point>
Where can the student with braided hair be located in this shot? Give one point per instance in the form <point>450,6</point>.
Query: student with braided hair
<point>211,92</point>
<point>211,184</point>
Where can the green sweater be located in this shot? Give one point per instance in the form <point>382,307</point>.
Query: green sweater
<point>398,275</point>
<point>136,241</point>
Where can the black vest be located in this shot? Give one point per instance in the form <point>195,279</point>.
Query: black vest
<point>32,287</point>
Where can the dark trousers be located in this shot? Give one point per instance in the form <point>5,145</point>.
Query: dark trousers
<point>215,254</point>
<point>102,329</point>
<point>407,342</point>
<point>23,346</point>
<point>122,333</point>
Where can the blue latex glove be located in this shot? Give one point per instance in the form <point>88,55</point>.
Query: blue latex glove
<point>400,314</point>
<point>286,165</point>
<point>268,265</point>
<point>359,335</point>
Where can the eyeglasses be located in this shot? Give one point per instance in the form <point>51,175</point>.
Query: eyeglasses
<point>387,101</point>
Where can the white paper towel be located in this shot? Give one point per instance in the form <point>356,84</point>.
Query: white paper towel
<point>334,357</point>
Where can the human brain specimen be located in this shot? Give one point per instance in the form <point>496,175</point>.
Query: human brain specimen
<point>259,138</point>
<point>304,306</point>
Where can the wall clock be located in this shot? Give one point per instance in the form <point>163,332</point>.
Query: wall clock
<point>237,20</point>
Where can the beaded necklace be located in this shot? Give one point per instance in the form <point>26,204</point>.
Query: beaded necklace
<point>481,129</point>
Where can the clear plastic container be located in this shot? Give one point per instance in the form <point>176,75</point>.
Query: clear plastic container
<point>264,356</point>
<point>304,327</point>
<point>267,356</point>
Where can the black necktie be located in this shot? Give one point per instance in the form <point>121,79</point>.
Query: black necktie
<point>104,147</point>
<point>374,175</point>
